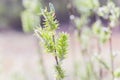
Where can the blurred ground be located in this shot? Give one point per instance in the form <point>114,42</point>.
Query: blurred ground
<point>19,58</point>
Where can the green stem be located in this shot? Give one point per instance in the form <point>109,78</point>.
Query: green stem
<point>56,58</point>
<point>111,56</point>
<point>43,68</point>
<point>44,72</point>
<point>99,52</point>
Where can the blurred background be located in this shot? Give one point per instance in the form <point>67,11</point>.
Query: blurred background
<point>10,12</point>
<point>19,56</point>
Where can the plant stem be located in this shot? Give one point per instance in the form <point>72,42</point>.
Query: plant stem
<point>43,67</point>
<point>56,58</point>
<point>111,56</point>
<point>44,72</point>
<point>99,52</point>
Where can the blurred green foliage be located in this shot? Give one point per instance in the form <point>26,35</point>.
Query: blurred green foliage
<point>32,5</point>
<point>85,7</point>
<point>102,33</point>
<point>29,16</point>
<point>29,21</point>
<point>10,10</point>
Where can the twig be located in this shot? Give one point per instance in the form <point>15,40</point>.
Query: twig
<point>111,56</point>
<point>44,72</point>
<point>99,52</point>
<point>56,58</point>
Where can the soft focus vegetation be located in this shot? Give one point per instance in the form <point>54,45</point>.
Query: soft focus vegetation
<point>57,26</point>
<point>12,9</point>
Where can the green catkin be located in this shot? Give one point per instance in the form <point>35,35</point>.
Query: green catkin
<point>56,45</point>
